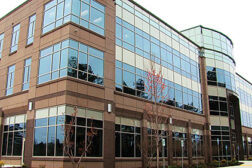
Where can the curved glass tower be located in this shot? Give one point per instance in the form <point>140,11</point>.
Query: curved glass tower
<point>217,50</point>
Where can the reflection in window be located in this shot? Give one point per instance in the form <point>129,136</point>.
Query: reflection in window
<point>140,42</point>
<point>132,81</point>
<point>197,145</point>
<point>128,141</point>
<point>221,133</point>
<point>49,132</point>
<point>218,106</point>
<point>71,58</point>
<point>15,38</point>
<point>10,80</point>
<point>13,133</point>
<point>152,143</point>
<point>1,44</point>
<point>89,14</point>
<point>31,29</point>
<point>178,137</point>
<point>220,77</point>
<point>27,74</point>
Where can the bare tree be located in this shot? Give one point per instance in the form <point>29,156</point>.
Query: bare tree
<point>69,141</point>
<point>157,93</point>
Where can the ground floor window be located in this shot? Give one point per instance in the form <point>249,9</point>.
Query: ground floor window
<point>13,134</point>
<point>162,135</point>
<point>220,142</point>
<point>179,137</point>
<point>127,137</point>
<point>197,143</point>
<point>50,132</point>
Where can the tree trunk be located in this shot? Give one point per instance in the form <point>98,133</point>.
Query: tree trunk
<point>157,147</point>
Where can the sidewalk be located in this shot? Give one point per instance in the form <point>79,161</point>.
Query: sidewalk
<point>246,164</point>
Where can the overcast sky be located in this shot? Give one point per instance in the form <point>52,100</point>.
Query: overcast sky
<point>231,17</point>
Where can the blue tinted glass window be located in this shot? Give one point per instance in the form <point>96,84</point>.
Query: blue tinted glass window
<point>118,31</point>
<point>128,36</point>
<point>10,80</point>
<point>27,74</point>
<point>155,50</point>
<point>1,44</point>
<point>89,14</point>
<point>79,61</point>
<point>118,76</point>
<point>15,38</point>
<point>40,141</point>
<point>176,61</point>
<point>31,29</point>
<point>128,79</point>
<point>95,66</point>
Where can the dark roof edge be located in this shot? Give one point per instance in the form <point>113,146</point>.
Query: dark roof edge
<point>211,30</point>
<point>13,10</point>
<point>135,3</point>
<point>243,78</point>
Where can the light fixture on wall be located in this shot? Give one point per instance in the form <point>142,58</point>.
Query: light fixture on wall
<point>170,121</point>
<point>30,106</point>
<point>109,108</point>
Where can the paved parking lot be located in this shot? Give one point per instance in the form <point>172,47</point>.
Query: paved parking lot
<point>245,164</point>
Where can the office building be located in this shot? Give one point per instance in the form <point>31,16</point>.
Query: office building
<point>93,57</point>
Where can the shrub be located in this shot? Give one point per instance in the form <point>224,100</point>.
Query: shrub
<point>223,161</point>
<point>1,163</point>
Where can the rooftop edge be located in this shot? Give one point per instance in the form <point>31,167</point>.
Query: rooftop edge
<point>211,30</point>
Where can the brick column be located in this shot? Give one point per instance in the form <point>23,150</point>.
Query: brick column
<point>189,143</point>
<point>144,143</point>
<point>170,145</point>
<point>206,111</point>
<point>29,138</point>
<point>1,130</point>
<point>109,137</point>
<point>207,143</point>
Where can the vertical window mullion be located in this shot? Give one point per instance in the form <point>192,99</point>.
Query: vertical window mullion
<point>134,142</point>
<point>86,138</point>
<point>75,132</point>
<point>47,128</point>
<point>12,140</point>
<point>120,140</point>
<point>55,137</point>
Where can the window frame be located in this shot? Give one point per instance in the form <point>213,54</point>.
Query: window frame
<point>33,23</point>
<point>1,44</point>
<point>11,76</point>
<point>17,34</point>
<point>27,81</point>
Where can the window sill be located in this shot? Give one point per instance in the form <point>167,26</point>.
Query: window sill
<point>71,79</point>
<point>11,157</point>
<point>74,24</point>
<point>28,45</point>
<point>15,94</point>
<point>65,158</point>
<point>13,53</point>
<point>128,158</point>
